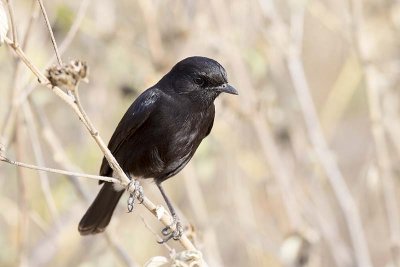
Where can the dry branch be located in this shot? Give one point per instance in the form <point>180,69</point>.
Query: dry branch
<point>320,146</point>
<point>53,40</point>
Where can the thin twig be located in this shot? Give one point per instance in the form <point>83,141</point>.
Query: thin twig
<point>62,48</point>
<point>27,62</point>
<point>72,31</point>
<point>10,116</point>
<point>85,116</point>
<point>62,159</point>
<point>53,40</point>
<point>158,237</point>
<point>320,146</point>
<point>22,199</point>
<point>38,153</point>
<point>198,204</point>
<point>154,39</point>
<point>59,155</point>
<point>13,27</point>
<point>374,90</point>
<point>264,134</point>
<point>118,250</point>
<point>52,170</point>
<point>384,164</point>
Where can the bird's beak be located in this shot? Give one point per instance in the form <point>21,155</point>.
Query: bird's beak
<point>227,88</point>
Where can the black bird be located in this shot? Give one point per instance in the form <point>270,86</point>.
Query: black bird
<point>159,134</point>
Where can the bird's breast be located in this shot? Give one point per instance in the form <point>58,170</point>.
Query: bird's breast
<point>186,131</point>
<point>171,136</point>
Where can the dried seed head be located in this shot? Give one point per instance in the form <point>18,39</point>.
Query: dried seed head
<point>69,75</point>
<point>188,258</point>
<point>78,68</point>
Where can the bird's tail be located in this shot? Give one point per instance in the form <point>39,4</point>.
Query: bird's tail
<point>98,216</point>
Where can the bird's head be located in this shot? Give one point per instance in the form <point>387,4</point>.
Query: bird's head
<point>199,78</point>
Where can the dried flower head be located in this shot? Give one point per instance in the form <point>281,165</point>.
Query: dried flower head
<point>69,75</point>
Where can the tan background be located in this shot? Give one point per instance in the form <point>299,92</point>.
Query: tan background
<point>267,176</point>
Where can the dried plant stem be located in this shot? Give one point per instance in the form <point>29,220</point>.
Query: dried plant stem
<point>38,153</point>
<point>339,252</point>
<point>119,250</point>
<point>29,26</point>
<point>62,48</point>
<point>387,179</point>
<point>52,170</point>
<point>22,234</point>
<point>73,30</point>
<point>271,152</point>
<point>268,145</point>
<point>13,27</point>
<point>10,116</point>
<point>170,249</point>
<point>154,39</point>
<point>334,175</point>
<point>4,137</point>
<point>85,116</point>
<point>374,90</point>
<point>62,159</point>
<point>59,155</point>
<point>198,204</point>
<point>53,40</point>
<point>27,62</point>
<point>392,121</point>
<point>320,146</point>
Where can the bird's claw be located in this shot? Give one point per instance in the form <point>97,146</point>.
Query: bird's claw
<point>136,192</point>
<point>131,202</point>
<point>139,192</point>
<point>178,232</point>
<point>169,233</point>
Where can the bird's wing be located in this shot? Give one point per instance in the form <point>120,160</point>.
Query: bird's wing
<point>134,117</point>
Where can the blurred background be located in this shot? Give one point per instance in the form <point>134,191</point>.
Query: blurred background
<point>301,169</point>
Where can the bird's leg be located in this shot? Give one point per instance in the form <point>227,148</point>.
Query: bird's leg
<point>136,191</point>
<point>167,231</point>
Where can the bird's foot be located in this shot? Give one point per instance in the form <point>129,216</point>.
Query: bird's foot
<point>136,191</point>
<point>168,233</point>
<point>131,202</point>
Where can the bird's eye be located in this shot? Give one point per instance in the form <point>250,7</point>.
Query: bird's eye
<point>199,81</point>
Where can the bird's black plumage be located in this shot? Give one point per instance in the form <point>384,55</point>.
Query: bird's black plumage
<point>160,131</point>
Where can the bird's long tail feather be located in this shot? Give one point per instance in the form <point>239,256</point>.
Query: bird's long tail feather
<point>99,214</point>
